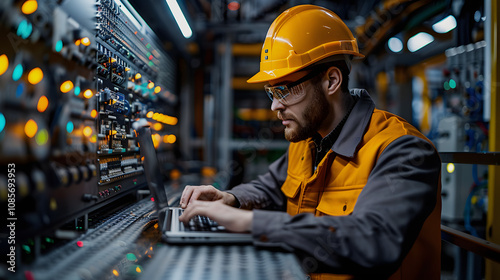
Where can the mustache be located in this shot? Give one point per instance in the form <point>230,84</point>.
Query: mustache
<point>282,116</point>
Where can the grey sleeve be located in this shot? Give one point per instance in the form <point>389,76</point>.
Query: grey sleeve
<point>265,191</point>
<point>399,195</point>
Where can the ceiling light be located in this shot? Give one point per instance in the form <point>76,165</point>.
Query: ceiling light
<point>395,44</point>
<point>445,25</point>
<point>419,41</point>
<point>179,18</point>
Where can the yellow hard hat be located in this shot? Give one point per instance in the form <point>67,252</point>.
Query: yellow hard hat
<point>301,36</point>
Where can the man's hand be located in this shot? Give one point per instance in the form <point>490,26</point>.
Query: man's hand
<point>233,219</point>
<point>205,192</point>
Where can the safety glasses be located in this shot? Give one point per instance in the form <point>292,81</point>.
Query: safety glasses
<point>291,93</point>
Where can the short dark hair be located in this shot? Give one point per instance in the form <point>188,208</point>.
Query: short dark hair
<point>344,70</point>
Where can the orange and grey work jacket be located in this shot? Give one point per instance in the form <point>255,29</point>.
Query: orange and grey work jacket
<point>371,209</point>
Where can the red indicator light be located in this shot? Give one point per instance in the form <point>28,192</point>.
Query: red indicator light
<point>79,244</point>
<point>233,6</point>
<point>152,199</point>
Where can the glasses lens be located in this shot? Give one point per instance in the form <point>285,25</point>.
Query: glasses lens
<point>291,93</point>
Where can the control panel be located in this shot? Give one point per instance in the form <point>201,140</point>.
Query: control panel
<point>74,76</point>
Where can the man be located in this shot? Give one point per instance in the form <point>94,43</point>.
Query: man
<point>360,186</point>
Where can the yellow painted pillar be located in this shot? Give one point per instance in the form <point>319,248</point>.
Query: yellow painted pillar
<point>493,220</point>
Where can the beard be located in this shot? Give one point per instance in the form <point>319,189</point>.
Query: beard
<point>312,117</point>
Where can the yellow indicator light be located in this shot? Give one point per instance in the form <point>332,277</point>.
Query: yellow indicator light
<point>157,89</point>
<point>88,93</point>
<point>93,139</point>
<point>115,273</point>
<point>35,76</point>
<point>93,114</point>
<point>43,103</point>
<point>30,128</point>
<point>138,269</point>
<point>171,139</point>
<point>53,204</point>
<point>171,120</point>
<point>150,114</point>
<point>156,226</point>
<point>156,139</point>
<point>151,85</point>
<point>155,116</point>
<point>29,7</point>
<point>66,86</point>
<point>127,69</point>
<point>450,168</point>
<point>113,132</point>
<point>87,131</point>
<point>85,41</point>
<point>42,137</point>
<point>78,42</point>
<point>157,126</point>
<point>4,63</point>
<point>138,76</point>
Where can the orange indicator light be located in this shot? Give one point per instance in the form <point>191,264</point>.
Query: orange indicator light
<point>43,103</point>
<point>30,128</point>
<point>4,64</point>
<point>35,76</point>
<point>88,94</point>
<point>87,131</point>
<point>85,41</point>
<point>29,7</point>
<point>66,86</point>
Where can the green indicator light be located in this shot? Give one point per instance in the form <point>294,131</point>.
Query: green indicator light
<point>77,91</point>
<point>42,137</point>
<point>49,240</point>
<point>26,248</point>
<point>18,72</point>
<point>446,85</point>
<point>148,46</point>
<point>148,54</point>
<point>2,122</point>
<point>453,84</point>
<point>151,63</point>
<point>131,257</point>
<point>59,46</point>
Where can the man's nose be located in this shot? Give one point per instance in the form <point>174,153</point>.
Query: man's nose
<point>276,105</point>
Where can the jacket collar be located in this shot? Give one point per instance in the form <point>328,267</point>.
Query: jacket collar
<point>355,125</point>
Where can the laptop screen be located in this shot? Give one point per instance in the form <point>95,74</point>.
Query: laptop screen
<point>152,168</point>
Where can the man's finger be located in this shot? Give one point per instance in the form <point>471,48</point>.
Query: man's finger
<point>186,196</point>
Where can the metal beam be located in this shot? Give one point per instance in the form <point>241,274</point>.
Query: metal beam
<point>471,243</point>
<point>493,218</point>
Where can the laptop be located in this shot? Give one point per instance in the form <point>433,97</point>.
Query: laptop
<point>200,229</point>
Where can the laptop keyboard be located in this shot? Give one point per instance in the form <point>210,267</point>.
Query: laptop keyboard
<point>201,223</point>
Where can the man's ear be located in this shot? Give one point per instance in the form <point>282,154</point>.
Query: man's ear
<point>334,76</point>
